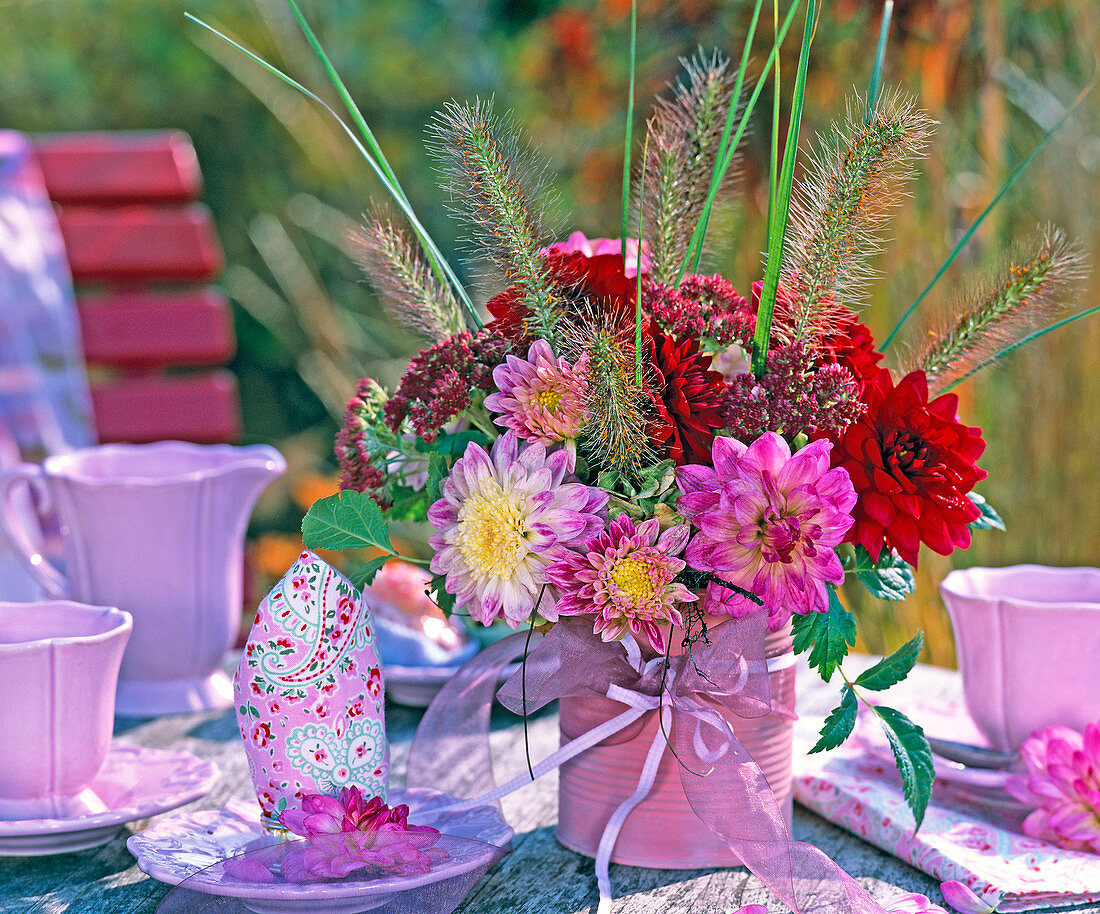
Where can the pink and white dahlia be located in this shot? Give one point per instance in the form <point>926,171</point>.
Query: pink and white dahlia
<point>624,577</point>
<point>769,523</point>
<point>542,398</point>
<point>1063,785</point>
<point>504,516</point>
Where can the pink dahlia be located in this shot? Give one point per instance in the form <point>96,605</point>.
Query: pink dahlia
<point>624,577</point>
<point>542,398</point>
<point>769,523</point>
<point>503,518</point>
<point>347,833</point>
<point>1063,784</point>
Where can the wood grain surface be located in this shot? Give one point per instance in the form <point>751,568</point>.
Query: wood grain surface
<point>538,877</point>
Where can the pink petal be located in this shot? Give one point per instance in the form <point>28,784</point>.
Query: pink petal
<point>962,899</point>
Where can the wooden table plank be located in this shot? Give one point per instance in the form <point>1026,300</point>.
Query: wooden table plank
<point>538,877</point>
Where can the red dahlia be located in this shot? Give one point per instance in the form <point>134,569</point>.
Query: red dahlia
<point>687,396</point>
<point>912,464</point>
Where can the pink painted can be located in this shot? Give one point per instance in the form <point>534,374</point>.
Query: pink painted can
<point>662,831</point>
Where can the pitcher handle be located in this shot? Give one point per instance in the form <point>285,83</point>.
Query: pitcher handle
<point>52,581</point>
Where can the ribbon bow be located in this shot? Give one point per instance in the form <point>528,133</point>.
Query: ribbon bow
<point>695,697</point>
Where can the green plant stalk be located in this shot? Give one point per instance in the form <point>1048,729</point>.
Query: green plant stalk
<point>696,243</point>
<point>1030,338</point>
<point>435,256</point>
<point>977,222</point>
<point>776,236</point>
<point>624,229</point>
<point>773,152</point>
<point>719,174</point>
<point>638,285</point>
<point>880,57</point>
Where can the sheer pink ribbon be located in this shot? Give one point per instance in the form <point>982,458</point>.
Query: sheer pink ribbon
<point>724,786</point>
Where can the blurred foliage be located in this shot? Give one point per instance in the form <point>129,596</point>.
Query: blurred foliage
<point>284,186</point>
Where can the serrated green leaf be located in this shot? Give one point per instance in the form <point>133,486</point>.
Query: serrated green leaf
<point>407,505</point>
<point>913,757</point>
<point>347,520</point>
<point>364,574</point>
<point>988,519</point>
<point>828,636</point>
<point>437,472</point>
<point>445,601</point>
<point>890,579</point>
<point>839,724</point>
<point>891,670</point>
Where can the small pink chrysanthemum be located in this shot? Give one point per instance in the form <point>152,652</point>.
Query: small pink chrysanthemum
<point>1063,785</point>
<point>625,578</point>
<point>768,522</point>
<point>348,833</point>
<point>542,398</point>
<point>502,519</point>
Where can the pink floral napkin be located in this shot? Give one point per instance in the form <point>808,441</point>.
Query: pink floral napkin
<point>970,833</point>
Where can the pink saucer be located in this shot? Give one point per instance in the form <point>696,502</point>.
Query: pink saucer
<point>134,783</point>
<point>181,847</point>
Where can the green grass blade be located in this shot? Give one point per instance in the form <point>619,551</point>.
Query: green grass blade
<point>435,256</point>
<point>624,231</point>
<point>696,244</point>
<point>719,173</point>
<point>880,57</point>
<point>1030,338</point>
<point>977,222</point>
<point>773,152</point>
<point>638,282</point>
<point>778,231</point>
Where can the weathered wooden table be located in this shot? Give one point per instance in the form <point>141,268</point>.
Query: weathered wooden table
<point>539,877</point>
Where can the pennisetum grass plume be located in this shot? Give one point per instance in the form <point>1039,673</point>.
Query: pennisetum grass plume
<point>379,165</point>
<point>684,141</point>
<point>1030,291</point>
<point>496,186</point>
<point>390,259</point>
<point>969,233</point>
<point>777,228</point>
<point>837,210</point>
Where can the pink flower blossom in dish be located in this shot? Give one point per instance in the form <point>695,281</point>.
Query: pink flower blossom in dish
<point>751,909</point>
<point>624,577</point>
<point>965,900</point>
<point>1063,787</point>
<point>579,243</point>
<point>347,833</point>
<point>769,523</point>
<point>911,903</point>
<point>502,519</point>
<point>542,398</point>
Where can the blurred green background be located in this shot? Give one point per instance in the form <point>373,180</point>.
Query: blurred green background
<point>285,186</point>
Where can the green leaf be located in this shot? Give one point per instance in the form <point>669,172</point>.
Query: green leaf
<point>347,520</point>
<point>893,669</point>
<point>988,519</point>
<point>828,636</point>
<point>364,574</point>
<point>445,601</point>
<point>913,757</point>
<point>839,724</point>
<point>437,472</point>
<point>455,445</point>
<point>890,579</point>
<point>407,505</point>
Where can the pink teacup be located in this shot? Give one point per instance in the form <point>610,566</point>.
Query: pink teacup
<point>1028,642</point>
<point>60,663</point>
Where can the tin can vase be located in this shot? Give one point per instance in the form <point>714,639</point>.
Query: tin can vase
<point>662,831</point>
<point>309,692</point>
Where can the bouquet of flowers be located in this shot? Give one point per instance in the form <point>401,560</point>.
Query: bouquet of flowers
<point>621,437</point>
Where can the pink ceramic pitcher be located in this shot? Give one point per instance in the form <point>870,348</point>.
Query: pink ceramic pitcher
<point>156,530</point>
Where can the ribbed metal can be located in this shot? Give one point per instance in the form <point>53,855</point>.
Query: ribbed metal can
<point>663,831</point>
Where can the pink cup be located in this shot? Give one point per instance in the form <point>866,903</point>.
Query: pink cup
<point>1028,642</point>
<point>60,662</point>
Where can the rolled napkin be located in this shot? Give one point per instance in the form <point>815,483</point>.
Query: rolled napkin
<point>309,692</point>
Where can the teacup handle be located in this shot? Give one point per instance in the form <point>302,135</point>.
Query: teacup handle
<point>41,570</point>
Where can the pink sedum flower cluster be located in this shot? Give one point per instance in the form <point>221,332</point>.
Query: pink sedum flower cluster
<point>542,398</point>
<point>624,577</point>
<point>769,523</point>
<point>1063,786</point>
<point>348,833</point>
<point>503,517</point>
